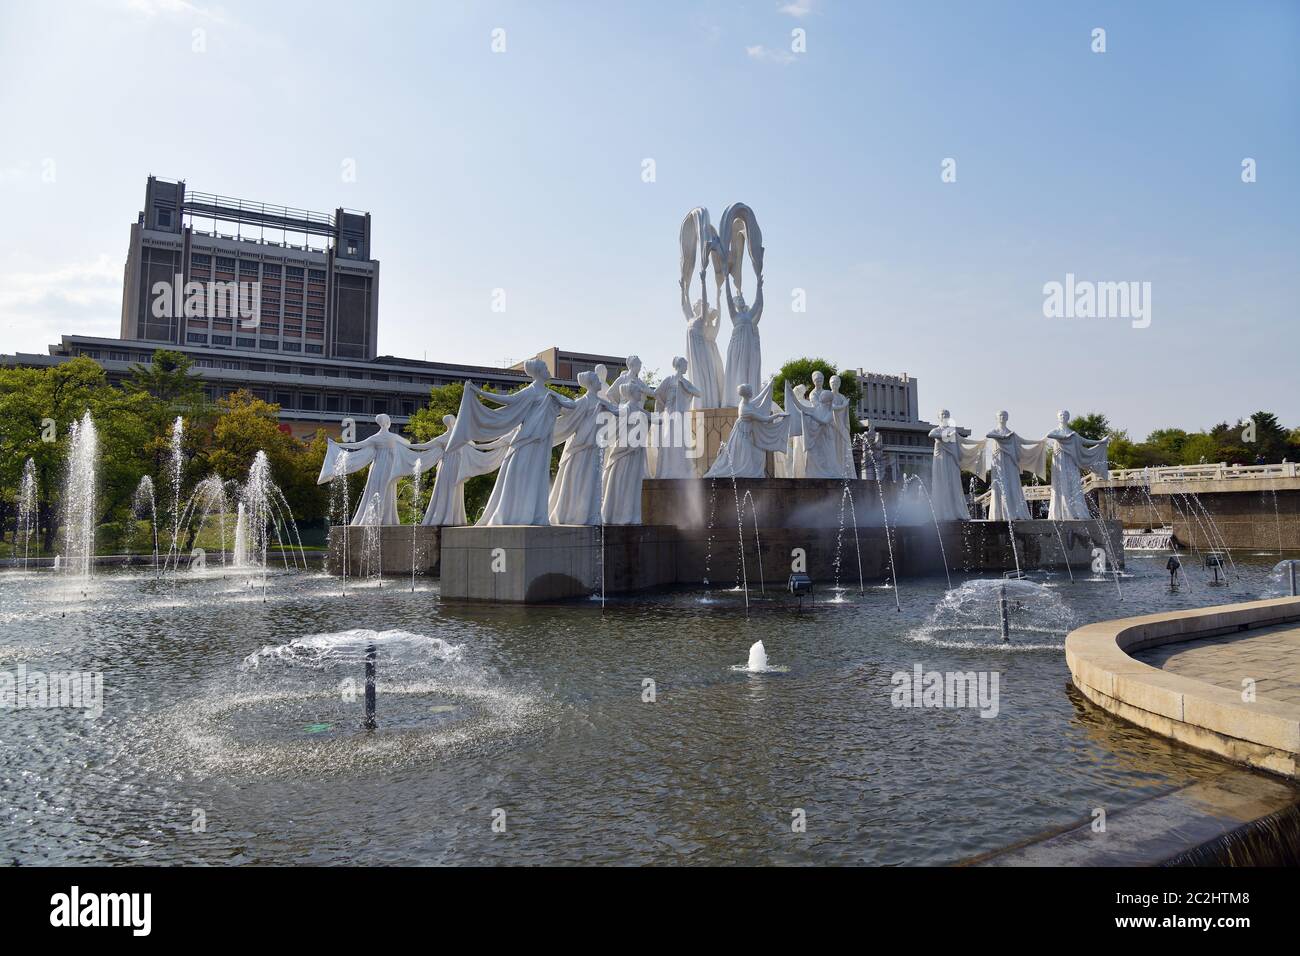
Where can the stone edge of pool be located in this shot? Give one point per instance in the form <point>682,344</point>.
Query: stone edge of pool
<point>1263,734</point>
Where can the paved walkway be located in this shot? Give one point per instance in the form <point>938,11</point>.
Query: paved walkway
<point>1268,656</point>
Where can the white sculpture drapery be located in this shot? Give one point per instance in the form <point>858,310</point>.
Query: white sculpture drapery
<point>843,433</point>
<point>817,427</point>
<point>390,458</point>
<point>522,490</point>
<point>673,398</point>
<point>464,461</point>
<point>700,242</point>
<point>625,461</point>
<point>575,493</point>
<point>790,463</point>
<point>1072,454</point>
<point>759,428</point>
<point>1006,456</point>
<point>953,454</point>
<point>744,350</point>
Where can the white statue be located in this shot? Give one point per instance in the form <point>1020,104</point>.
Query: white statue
<point>758,429</point>
<point>790,464</point>
<point>465,461</point>
<point>575,493</point>
<point>1071,454</point>
<point>953,454</point>
<point>631,375</point>
<point>1007,455</point>
<point>700,240</point>
<point>818,386</point>
<point>390,457</point>
<point>522,489</point>
<point>816,424</point>
<point>673,399</point>
<point>602,380</point>
<point>744,352</point>
<point>843,433</point>
<point>625,461</point>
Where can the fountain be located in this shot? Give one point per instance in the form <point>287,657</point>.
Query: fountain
<point>990,613</point>
<point>79,497</point>
<point>144,502</point>
<point>27,511</point>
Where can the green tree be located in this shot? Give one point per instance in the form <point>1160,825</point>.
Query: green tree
<point>1094,425</point>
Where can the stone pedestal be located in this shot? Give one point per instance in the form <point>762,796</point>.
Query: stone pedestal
<point>523,564</point>
<point>394,549</point>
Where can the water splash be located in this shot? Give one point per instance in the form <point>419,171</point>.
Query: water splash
<point>28,516</point>
<point>79,497</point>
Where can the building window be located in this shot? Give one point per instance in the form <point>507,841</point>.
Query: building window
<point>196,337</point>
<point>244,343</point>
<point>332,403</point>
<point>284,399</point>
<point>221,340</point>
<point>270,344</point>
<point>314,349</point>
<point>352,247</point>
<point>164,218</point>
<point>228,364</point>
<point>380,406</point>
<point>357,405</point>
<point>119,356</point>
<point>292,346</point>
<point>307,403</point>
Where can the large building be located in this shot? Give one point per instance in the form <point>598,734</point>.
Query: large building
<point>889,404</point>
<point>304,280</point>
<point>277,301</point>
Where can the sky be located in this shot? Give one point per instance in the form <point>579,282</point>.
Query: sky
<point>920,173</point>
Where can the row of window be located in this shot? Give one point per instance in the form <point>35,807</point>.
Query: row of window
<point>199,260</point>
<point>316,402</point>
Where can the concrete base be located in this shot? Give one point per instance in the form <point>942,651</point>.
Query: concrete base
<point>1261,515</point>
<point>394,550</point>
<point>532,565</point>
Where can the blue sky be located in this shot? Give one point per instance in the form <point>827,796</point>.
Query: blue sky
<point>522,170</point>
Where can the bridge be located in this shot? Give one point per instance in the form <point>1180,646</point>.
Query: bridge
<point>1207,505</point>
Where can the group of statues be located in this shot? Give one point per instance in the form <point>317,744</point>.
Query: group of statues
<point>611,444</point>
<point>597,481</point>
<point>1000,457</point>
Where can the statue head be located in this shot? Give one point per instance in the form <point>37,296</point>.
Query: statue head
<point>679,364</point>
<point>536,370</point>
<point>739,300</point>
<point>449,421</point>
<point>825,396</point>
<point>818,378</point>
<point>634,364</point>
<point>1063,418</point>
<point>944,415</point>
<point>383,421</point>
<point>836,381</point>
<point>602,373</point>
<point>588,381</point>
<point>744,391</point>
<point>1002,419</point>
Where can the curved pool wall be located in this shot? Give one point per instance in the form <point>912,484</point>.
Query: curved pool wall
<point>1261,733</point>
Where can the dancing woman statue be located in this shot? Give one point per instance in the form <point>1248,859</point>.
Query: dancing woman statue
<point>673,398</point>
<point>390,457</point>
<point>522,490</point>
<point>625,461</point>
<point>843,433</point>
<point>816,422</point>
<point>575,494</point>
<point>953,454</point>
<point>759,429</point>
<point>1007,455</point>
<point>1071,454</point>
<point>744,351</point>
<point>699,241</point>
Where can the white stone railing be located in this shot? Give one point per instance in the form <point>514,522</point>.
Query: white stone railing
<point>1131,477</point>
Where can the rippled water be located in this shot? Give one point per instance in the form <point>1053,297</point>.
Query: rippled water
<point>231,725</point>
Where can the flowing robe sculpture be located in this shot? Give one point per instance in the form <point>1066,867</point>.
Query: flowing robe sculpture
<point>843,433</point>
<point>522,490</point>
<point>625,465</point>
<point>1006,456</point>
<point>790,463</point>
<point>758,429</point>
<point>466,460</point>
<point>673,398</point>
<point>952,455</point>
<point>632,376</point>
<point>575,493</point>
<point>390,457</point>
<point>816,423</point>
<point>699,240</point>
<point>1071,454</point>
<point>744,350</point>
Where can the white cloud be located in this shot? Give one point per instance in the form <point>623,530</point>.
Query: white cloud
<point>154,8</point>
<point>82,297</point>
<point>760,52</point>
<point>796,8</point>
